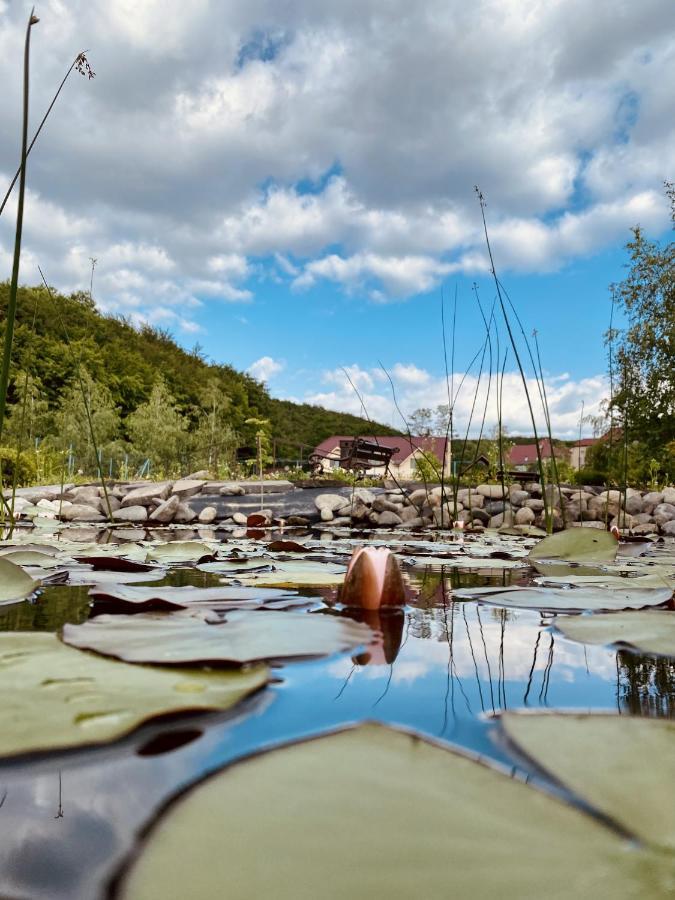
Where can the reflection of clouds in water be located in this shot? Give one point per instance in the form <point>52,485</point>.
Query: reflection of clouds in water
<point>419,656</point>
<point>108,795</point>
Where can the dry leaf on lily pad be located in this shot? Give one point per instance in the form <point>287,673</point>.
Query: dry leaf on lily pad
<point>56,697</point>
<point>581,598</point>
<point>624,766</point>
<point>372,812</point>
<point>648,632</point>
<point>582,544</point>
<point>180,551</point>
<point>15,584</point>
<point>167,597</point>
<point>242,636</point>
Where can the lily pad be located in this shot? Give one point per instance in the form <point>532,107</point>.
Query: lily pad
<point>88,575</point>
<point>649,632</point>
<point>582,544</point>
<point>623,765</point>
<point>581,598</point>
<point>294,574</point>
<point>56,697</point>
<point>180,551</point>
<point>33,558</point>
<point>608,580</point>
<point>15,584</point>
<point>242,636</point>
<point>167,597</point>
<point>417,821</point>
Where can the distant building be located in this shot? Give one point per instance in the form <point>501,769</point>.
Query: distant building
<point>523,457</point>
<point>579,450</point>
<point>403,463</point>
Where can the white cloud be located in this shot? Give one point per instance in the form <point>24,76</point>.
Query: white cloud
<point>415,388</point>
<point>347,151</point>
<point>265,368</point>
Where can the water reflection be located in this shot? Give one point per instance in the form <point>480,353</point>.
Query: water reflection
<point>441,667</point>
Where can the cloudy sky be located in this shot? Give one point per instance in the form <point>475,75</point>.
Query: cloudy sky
<point>289,183</point>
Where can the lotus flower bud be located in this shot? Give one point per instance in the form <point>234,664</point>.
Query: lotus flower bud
<point>373,579</point>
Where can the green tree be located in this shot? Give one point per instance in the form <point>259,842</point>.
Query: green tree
<point>214,441</point>
<point>71,428</point>
<point>158,430</point>
<point>644,369</point>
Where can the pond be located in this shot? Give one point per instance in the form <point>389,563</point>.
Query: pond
<point>443,667</point>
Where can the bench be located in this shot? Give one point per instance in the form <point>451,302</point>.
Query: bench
<point>357,455</point>
<point>520,477</point>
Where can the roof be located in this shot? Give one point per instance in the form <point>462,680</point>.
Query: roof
<point>406,446</point>
<point>524,454</point>
<point>586,442</point>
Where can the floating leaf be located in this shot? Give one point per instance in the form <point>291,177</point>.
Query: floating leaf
<point>295,574</point>
<point>581,598</point>
<point>583,544</point>
<point>112,563</point>
<point>623,765</point>
<point>649,632</point>
<point>56,697</point>
<point>15,584</point>
<point>87,575</point>
<point>180,551</point>
<point>371,812</point>
<point>167,597</point>
<point>242,636</point>
<point>33,558</point>
<point>287,547</point>
<point>608,581</point>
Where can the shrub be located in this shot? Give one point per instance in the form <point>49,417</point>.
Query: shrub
<point>27,471</point>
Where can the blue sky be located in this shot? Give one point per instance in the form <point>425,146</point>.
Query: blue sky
<point>291,185</point>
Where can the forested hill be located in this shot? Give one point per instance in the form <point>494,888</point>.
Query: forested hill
<point>55,336</point>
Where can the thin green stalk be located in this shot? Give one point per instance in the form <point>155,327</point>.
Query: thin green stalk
<point>547,418</point>
<point>481,199</point>
<point>83,68</point>
<point>14,284</point>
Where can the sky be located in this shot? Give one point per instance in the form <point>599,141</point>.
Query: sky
<point>290,184</point>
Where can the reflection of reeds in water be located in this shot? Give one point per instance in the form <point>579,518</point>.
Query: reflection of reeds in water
<point>645,684</point>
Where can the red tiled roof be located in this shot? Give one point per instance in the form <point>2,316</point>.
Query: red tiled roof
<point>525,454</point>
<point>405,445</point>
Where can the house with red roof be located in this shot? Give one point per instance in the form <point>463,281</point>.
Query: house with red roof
<point>403,465</point>
<point>523,457</point>
<point>579,450</point>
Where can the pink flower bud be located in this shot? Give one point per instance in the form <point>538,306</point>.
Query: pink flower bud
<point>373,579</point>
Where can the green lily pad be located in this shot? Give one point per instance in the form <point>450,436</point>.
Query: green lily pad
<point>168,597</point>
<point>649,632</point>
<point>56,697</point>
<point>623,765</point>
<point>15,584</point>
<point>179,551</point>
<point>581,598</point>
<point>583,544</point>
<point>33,558</point>
<point>301,573</point>
<point>243,636</point>
<point>607,580</point>
<point>372,812</point>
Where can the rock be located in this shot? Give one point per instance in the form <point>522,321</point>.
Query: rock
<point>533,488</point>
<point>184,514</point>
<point>669,495</point>
<point>634,504</point>
<point>417,522</point>
<point>408,513</point>
<point>297,520</point>
<point>231,490</point>
<point>525,516</point>
<point>517,496</point>
<point>479,515</point>
<point>207,515</point>
<point>131,514</point>
<point>418,498</point>
<point>166,511</point>
<point>187,487</point>
<point>493,491</point>
<point>143,496</point>
<point>381,504</point>
<point>444,516</point>
<point>359,510</point>
<point>653,497</point>
<point>622,521</point>
<point>665,511</point>
<point>80,512</point>
<point>326,513</point>
<point>645,528</point>
<point>668,528</point>
<point>535,504</point>
<point>505,518</point>
<point>470,498</point>
<point>331,502</point>
<point>497,507</point>
<point>201,475</point>
<point>388,518</point>
<point>239,518</point>
<point>364,495</point>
